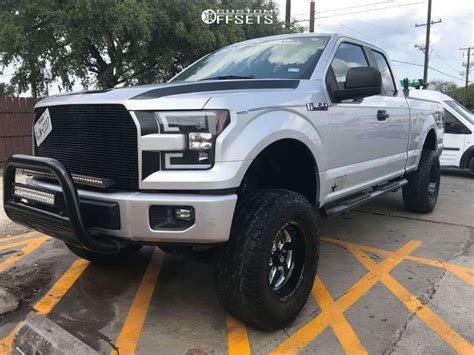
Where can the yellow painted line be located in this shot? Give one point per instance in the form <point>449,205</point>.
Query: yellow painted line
<point>128,339</point>
<point>59,289</point>
<point>237,338</point>
<point>30,246</point>
<point>52,297</point>
<point>313,328</point>
<point>6,344</point>
<point>19,236</point>
<point>423,312</point>
<point>460,271</point>
<point>462,275</point>
<point>339,324</point>
<point>21,242</point>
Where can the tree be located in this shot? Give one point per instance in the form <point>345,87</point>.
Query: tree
<point>113,42</point>
<point>458,95</point>
<point>6,90</point>
<point>441,85</point>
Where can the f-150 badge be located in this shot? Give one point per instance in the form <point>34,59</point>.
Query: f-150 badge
<point>317,106</point>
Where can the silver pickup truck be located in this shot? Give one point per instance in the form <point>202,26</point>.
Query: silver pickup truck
<point>237,156</point>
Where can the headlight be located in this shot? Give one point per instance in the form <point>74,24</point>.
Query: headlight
<point>200,130</point>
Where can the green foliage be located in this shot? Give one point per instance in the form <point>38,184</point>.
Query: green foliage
<point>443,86</point>
<point>111,42</point>
<point>6,90</point>
<point>458,95</point>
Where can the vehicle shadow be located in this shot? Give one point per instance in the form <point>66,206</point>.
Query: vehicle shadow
<point>456,172</point>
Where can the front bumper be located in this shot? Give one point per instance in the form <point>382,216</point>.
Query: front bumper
<point>212,213</point>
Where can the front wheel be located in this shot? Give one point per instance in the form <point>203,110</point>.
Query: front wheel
<point>266,271</point>
<point>421,193</point>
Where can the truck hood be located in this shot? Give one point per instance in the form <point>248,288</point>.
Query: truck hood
<point>182,95</point>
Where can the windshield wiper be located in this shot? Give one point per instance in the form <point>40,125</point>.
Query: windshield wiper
<point>224,77</point>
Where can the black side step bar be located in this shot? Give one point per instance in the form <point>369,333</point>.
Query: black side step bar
<point>360,199</point>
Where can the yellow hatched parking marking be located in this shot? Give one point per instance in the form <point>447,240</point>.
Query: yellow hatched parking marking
<point>314,327</point>
<point>339,324</point>
<point>128,339</point>
<point>464,273</point>
<point>30,245</point>
<point>52,297</point>
<point>435,323</point>
<point>19,236</point>
<point>237,338</point>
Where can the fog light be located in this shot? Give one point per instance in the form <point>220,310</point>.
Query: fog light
<point>34,195</point>
<point>200,141</point>
<point>183,214</point>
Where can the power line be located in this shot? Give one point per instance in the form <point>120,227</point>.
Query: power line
<point>430,67</point>
<point>439,57</point>
<point>364,11</point>
<point>347,8</point>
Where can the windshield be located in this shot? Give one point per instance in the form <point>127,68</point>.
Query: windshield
<point>460,109</point>
<point>288,58</point>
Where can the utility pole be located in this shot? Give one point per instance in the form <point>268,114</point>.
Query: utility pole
<point>311,16</point>
<point>468,49</point>
<point>288,14</point>
<point>428,24</point>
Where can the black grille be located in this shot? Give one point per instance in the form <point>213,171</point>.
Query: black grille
<point>93,140</point>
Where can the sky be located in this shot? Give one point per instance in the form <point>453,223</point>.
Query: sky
<point>390,24</point>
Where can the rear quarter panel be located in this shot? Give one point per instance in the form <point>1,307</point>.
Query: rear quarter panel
<point>423,119</point>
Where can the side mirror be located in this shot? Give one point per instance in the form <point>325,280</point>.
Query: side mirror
<point>360,82</point>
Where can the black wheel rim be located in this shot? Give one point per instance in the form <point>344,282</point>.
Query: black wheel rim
<point>286,260</point>
<point>433,183</point>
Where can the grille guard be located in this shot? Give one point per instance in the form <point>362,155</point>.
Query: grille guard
<point>70,229</point>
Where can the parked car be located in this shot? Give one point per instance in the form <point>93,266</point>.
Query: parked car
<point>458,130</point>
<point>241,152</point>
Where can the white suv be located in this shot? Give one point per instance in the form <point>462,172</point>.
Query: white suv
<point>458,130</point>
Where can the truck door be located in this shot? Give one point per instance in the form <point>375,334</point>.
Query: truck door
<point>366,139</point>
<point>454,140</point>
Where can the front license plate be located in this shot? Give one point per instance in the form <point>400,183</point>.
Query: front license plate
<point>43,127</point>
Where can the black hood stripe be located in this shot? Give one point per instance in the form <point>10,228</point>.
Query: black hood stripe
<point>218,86</point>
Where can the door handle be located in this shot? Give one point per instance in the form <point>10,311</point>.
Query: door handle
<point>382,115</point>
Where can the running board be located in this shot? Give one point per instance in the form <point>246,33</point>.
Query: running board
<point>360,199</point>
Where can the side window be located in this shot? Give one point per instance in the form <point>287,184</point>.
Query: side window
<point>387,78</point>
<point>452,124</point>
<point>347,56</point>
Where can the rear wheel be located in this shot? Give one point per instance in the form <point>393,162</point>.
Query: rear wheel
<point>125,253</point>
<point>266,271</point>
<point>421,193</point>
<point>471,166</point>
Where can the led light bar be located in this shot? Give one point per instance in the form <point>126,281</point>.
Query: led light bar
<point>34,195</point>
<point>78,179</point>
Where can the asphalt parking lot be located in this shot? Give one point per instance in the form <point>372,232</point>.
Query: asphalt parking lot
<point>388,282</point>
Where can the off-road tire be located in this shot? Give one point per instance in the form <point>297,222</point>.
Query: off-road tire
<point>242,270</point>
<point>416,194</point>
<point>125,253</point>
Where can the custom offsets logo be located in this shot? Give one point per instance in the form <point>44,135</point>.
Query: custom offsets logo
<point>237,16</point>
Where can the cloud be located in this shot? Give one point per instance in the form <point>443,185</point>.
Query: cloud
<point>392,27</point>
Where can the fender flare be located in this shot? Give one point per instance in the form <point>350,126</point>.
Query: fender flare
<point>270,127</point>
